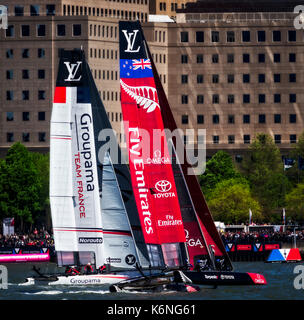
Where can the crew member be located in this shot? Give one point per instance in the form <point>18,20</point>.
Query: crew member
<point>72,271</point>
<point>201,265</point>
<point>188,265</point>
<point>102,269</point>
<point>88,269</point>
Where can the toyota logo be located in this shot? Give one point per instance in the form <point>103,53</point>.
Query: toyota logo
<point>163,186</point>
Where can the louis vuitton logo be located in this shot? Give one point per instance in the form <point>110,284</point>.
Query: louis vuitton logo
<point>131,37</point>
<point>72,70</point>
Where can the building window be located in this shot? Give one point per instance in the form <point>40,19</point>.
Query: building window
<point>230,118</point>
<point>184,119</point>
<point>19,11</point>
<point>292,118</point>
<point>246,78</point>
<point>262,98</point>
<point>261,36</point>
<point>276,35</point>
<point>230,36</point>
<point>40,30</point>
<point>277,138</point>
<point>34,10</point>
<point>277,118</point>
<point>41,74</point>
<point>41,136</point>
<point>10,116</point>
<point>25,74</point>
<point>215,98</point>
<point>76,30</point>
<point>293,138</point>
<point>292,98</point>
<point>231,139</point>
<point>246,36</point>
<point>9,95</point>
<point>246,138</point>
<point>277,98</point>
<point>184,99</point>
<point>9,53</point>
<point>292,77</point>
<point>41,116</point>
<point>216,139</point>
<point>246,58</point>
<point>199,58</point>
<point>215,78</point>
<point>184,78</point>
<point>9,74</point>
<point>60,30</point>
<point>215,36</point>
<point>25,137</point>
<point>10,137</point>
<point>184,36</point>
<point>184,58</point>
<point>246,118</point>
<point>10,31</point>
<point>41,53</point>
<point>215,119</point>
<point>215,58</point>
<point>200,119</point>
<point>276,77</point>
<point>25,53</point>
<point>292,35</point>
<point>199,78</point>
<point>41,95</point>
<point>199,36</point>
<point>230,58</point>
<point>230,78</point>
<point>261,57</point>
<point>230,98</point>
<point>25,116</point>
<point>25,30</point>
<point>200,99</point>
<point>246,98</point>
<point>262,118</point>
<point>276,57</point>
<point>261,78</point>
<point>292,57</point>
<point>25,95</point>
<point>50,9</point>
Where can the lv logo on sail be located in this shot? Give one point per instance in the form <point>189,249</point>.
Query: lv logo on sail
<point>72,70</point>
<point>130,37</point>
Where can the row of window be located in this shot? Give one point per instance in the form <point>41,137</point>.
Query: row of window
<point>25,53</point>
<point>246,58</point>
<point>103,54</point>
<point>35,10</point>
<point>174,6</point>
<point>25,95</point>
<point>246,36</point>
<point>10,116</point>
<point>277,118</point>
<point>246,98</point>
<point>10,137</point>
<point>25,74</point>
<point>261,78</point>
<point>247,138</point>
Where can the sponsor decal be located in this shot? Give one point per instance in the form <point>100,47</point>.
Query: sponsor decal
<point>72,70</point>
<point>227,277</point>
<point>211,277</point>
<point>170,221</point>
<point>131,37</point>
<point>163,187</point>
<point>130,259</point>
<point>84,281</point>
<point>158,159</point>
<point>113,260</point>
<point>191,242</point>
<point>84,240</point>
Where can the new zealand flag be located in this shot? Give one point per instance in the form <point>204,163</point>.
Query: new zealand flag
<point>139,68</point>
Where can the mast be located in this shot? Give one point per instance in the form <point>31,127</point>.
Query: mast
<point>153,182</point>
<point>201,214</point>
<point>87,218</point>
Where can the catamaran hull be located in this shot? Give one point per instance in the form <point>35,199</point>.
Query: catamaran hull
<point>218,278</point>
<point>78,280</point>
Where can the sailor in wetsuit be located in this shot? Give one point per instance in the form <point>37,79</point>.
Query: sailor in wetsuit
<point>71,271</point>
<point>201,265</point>
<point>88,269</point>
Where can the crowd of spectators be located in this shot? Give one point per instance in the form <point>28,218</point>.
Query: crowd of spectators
<point>262,236</point>
<point>37,238</point>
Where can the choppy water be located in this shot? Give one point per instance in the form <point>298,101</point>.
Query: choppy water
<point>280,278</point>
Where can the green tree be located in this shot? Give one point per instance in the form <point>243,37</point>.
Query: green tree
<point>295,203</point>
<point>263,167</point>
<point>220,167</point>
<point>20,186</point>
<point>231,200</point>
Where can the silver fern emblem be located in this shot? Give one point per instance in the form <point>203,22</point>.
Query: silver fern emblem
<point>144,96</point>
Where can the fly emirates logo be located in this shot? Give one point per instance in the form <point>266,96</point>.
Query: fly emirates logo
<point>137,162</point>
